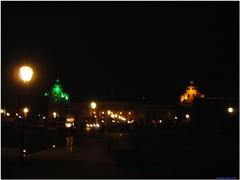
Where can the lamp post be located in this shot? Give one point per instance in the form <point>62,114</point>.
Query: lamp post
<point>25,73</point>
<point>93,106</point>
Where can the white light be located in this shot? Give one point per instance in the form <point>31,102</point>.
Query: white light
<point>120,112</point>
<point>109,112</point>
<point>187,116</point>
<point>39,115</point>
<point>53,146</point>
<point>26,73</point>
<point>112,116</point>
<point>91,125</point>
<point>102,121</point>
<point>16,114</point>
<point>68,125</point>
<point>8,114</point>
<point>25,110</point>
<point>160,121</point>
<point>115,115</point>
<point>20,116</point>
<point>88,125</point>
<point>54,114</point>
<point>113,121</point>
<point>97,125</point>
<point>175,117</point>
<point>230,110</point>
<point>2,111</point>
<point>24,150</point>
<point>102,112</point>
<point>44,117</point>
<point>129,113</point>
<point>93,105</point>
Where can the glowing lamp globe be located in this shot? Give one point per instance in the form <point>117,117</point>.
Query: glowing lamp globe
<point>230,110</point>
<point>26,73</point>
<point>93,105</point>
<point>25,110</point>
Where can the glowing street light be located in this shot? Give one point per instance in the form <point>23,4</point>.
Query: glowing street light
<point>25,111</point>
<point>93,105</point>
<point>230,110</point>
<point>26,73</point>
<point>54,114</point>
<point>187,116</point>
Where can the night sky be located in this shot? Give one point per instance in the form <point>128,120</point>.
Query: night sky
<point>121,50</point>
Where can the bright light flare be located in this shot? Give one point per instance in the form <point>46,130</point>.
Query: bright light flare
<point>25,110</point>
<point>187,116</point>
<point>54,114</point>
<point>230,110</point>
<point>93,105</point>
<point>26,73</point>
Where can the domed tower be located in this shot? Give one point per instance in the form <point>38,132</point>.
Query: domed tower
<point>190,94</point>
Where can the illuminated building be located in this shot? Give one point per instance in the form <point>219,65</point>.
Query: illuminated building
<point>190,94</point>
<point>57,94</point>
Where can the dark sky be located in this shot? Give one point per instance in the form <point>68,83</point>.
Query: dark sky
<point>122,50</point>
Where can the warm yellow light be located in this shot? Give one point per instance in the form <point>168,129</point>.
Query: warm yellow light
<point>8,114</point>
<point>185,97</point>
<point>2,111</point>
<point>93,105</point>
<point>25,110</point>
<point>26,73</point>
<point>102,112</point>
<point>68,125</point>
<point>120,112</point>
<point>54,114</point>
<point>230,110</point>
<point>112,115</point>
<point>187,116</point>
<point>109,112</point>
<point>129,113</point>
<point>115,115</point>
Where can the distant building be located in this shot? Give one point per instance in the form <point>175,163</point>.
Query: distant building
<point>190,94</point>
<point>111,111</point>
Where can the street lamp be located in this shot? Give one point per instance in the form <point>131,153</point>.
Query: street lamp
<point>25,73</point>
<point>54,115</point>
<point>93,106</point>
<point>230,110</point>
<point>25,111</point>
<point>23,150</point>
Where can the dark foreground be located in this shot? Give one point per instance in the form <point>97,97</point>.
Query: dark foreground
<point>143,153</point>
